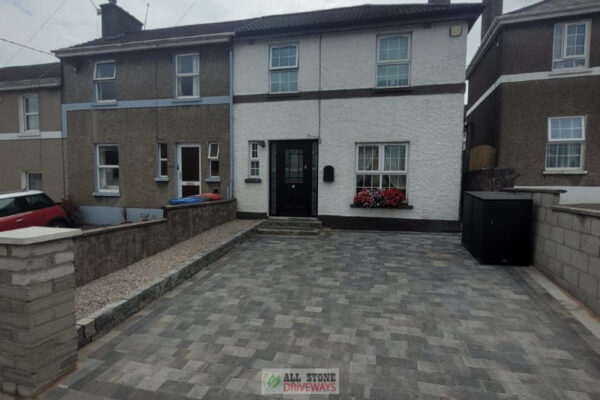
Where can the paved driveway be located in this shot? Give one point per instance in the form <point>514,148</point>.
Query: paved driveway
<point>403,316</point>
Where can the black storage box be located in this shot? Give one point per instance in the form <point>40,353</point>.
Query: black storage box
<point>497,227</point>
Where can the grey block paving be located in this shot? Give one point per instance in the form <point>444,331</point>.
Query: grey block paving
<point>403,316</point>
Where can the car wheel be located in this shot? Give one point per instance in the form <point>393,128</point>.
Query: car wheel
<point>58,223</point>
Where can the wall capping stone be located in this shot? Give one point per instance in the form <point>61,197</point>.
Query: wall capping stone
<point>531,190</point>
<point>36,234</point>
<point>579,210</point>
<point>122,227</point>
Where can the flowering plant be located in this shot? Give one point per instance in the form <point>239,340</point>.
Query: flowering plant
<point>376,198</point>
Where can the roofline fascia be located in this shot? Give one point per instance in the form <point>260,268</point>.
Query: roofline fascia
<point>30,84</point>
<point>144,45</point>
<point>508,19</point>
<point>353,27</point>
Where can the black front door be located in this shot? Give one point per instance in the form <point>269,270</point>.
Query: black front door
<point>292,178</point>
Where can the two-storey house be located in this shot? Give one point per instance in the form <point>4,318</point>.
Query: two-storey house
<point>147,116</point>
<point>533,98</point>
<point>328,103</point>
<point>31,143</point>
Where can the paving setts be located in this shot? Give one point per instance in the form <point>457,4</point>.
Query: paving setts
<point>100,292</point>
<point>403,316</point>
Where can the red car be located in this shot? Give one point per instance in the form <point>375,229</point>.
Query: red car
<point>30,208</point>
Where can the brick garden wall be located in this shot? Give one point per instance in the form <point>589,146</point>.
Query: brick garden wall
<point>566,245</point>
<point>101,251</point>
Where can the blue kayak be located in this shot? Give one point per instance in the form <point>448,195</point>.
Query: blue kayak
<point>187,200</point>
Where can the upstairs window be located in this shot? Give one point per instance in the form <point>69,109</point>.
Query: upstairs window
<point>393,61</point>
<point>31,113</point>
<point>566,138</point>
<point>283,65</point>
<point>104,79</point>
<point>570,45</point>
<point>188,75</point>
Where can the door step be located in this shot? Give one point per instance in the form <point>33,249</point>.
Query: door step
<point>284,226</point>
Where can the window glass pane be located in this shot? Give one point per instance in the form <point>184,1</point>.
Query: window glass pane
<point>284,81</point>
<point>163,150</point>
<point>566,128</point>
<point>187,64</point>
<point>213,150</point>
<point>106,90</point>
<point>254,150</point>
<point>558,42</point>
<point>34,181</point>
<point>563,155</point>
<point>31,104</point>
<point>164,168</point>
<point>368,158</point>
<point>105,70</point>
<point>294,166</point>
<point>390,75</point>
<point>393,48</point>
<point>214,168</point>
<point>187,86</point>
<point>32,122</point>
<point>367,181</point>
<point>254,168</point>
<point>283,56</point>
<point>575,40</point>
<point>394,158</point>
<point>109,178</point>
<point>394,181</point>
<point>109,155</point>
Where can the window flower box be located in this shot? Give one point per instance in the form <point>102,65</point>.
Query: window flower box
<point>376,198</point>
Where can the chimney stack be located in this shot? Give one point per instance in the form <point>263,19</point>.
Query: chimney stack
<point>438,2</point>
<point>117,21</point>
<point>491,10</point>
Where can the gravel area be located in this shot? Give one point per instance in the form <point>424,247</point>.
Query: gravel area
<point>96,294</point>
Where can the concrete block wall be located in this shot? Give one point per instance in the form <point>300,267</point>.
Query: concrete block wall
<point>99,252</point>
<point>38,337</point>
<point>566,246</point>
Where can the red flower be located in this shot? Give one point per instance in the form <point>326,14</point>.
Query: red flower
<point>393,197</point>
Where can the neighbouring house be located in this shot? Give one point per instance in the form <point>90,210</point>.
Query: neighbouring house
<point>147,116</point>
<point>31,143</point>
<point>330,102</point>
<point>533,113</point>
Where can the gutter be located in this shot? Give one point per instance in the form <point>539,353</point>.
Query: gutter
<point>231,147</point>
<point>144,45</point>
<point>507,19</point>
<point>30,84</point>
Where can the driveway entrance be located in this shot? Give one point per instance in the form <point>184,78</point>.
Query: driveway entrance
<point>403,316</point>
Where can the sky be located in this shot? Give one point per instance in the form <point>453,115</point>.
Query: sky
<point>52,24</point>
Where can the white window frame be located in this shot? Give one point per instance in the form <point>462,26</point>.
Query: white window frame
<point>24,114</point>
<point>160,160</point>
<point>107,166</point>
<point>586,47</point>
<point>566,141</point>
<point>284,68</point>
<point>187,74</point>
<point>97,81</point>
<point>381,163</point>
<point>406,61</point>
<point>252,158</point>
<point>212,159</point>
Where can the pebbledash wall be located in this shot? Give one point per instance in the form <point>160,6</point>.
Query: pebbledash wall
<point>430,123</point>
<point>566,244</point>
<point>99,252</point>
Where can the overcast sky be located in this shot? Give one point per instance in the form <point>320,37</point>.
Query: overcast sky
<point>52,24</point>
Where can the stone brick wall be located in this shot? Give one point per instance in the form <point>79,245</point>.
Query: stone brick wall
<point>101,251</point>
<point>38,338</point>
<point>566,246</point>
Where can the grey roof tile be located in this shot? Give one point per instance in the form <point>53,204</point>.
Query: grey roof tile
<point>30,72</point>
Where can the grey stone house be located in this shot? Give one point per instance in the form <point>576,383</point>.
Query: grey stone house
<point>533,98</point>
<point>31,142</point>
<point>147,116</point>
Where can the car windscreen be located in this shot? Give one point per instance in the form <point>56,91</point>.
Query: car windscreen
<point>13,205</point>
<point>39,201</point>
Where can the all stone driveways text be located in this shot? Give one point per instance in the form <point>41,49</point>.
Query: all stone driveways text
<point>403,316</point>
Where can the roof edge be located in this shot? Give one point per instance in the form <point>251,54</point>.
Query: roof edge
<point>143,45</point>
<point>30,84</point>
<point>508,19</point>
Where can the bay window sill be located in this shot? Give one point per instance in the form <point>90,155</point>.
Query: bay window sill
<point>106,194</point>
<point>104,103</point>
<point>570,71</point>
<point>253,180</point>
<point>212,180</point>
<point>402,207</point>
<point>564,172</point>
<point>161,179</point>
